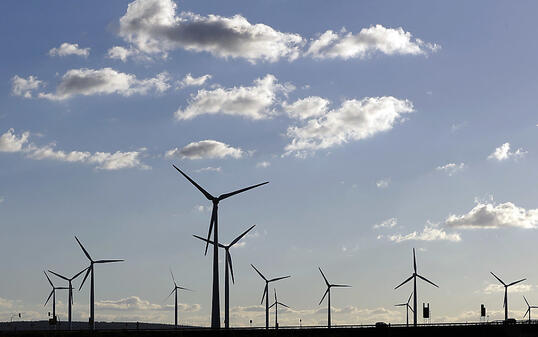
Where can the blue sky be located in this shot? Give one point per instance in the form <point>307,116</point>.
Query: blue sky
<point>381,127</point>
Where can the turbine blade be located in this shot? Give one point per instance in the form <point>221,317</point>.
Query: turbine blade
<point>108,261</point>
<point>326,282</point>
<point>79,273</point>
<point>276,300</point>
<point>282,304</point>
<point>425,279</point>
<point>170,294</point>
<point>182,288</point>
<point>409,299</point>
<point>48,298</point>
<point>263,277</point>
<point>410,308</point>
<point>498,279</point>
<point>211,222</point>
<point>401,305</point>
<point>60,276</point>
<point>173,279</point>
<point>264,292</point>
<point>404,282</point>
<point>516,282</point>
<point>278,278</point>
<point>241,236</point>
<point>272,305</point>
<point>204,192</point>
<point>414,261</point>
<point>47,276</point>
<point>85,277</point>
<point>526,301</point>
<point>504,302</point>
<point>227,195</point>
<point>326,291</point>
<point>229,257</point>
<point>84,249</point>
<point>526,312</point>
<point>341,285</point>
<point>61,288</point>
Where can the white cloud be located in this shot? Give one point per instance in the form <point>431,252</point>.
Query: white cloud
<point>382,183</point>
<point>251,102</point>
<point>489,215</point>
<point>308,107</point>
<point>135,303</point>
<point>503,153</point>
<point>451,168</point>
<point>354,120</point>
<point>209,169</point>
<point>189,81</point>
<point>66,49</point>
<point>263,164</point>
<point>205,149</point>
<point>389,223</point>
<point>121,53</point>
<point>375,39</point>
<point>24,86</point>
<point>430,233</point>
<point>105,81</point>
<point>5,303</point>
<point>9,142</point>
<point>153,27</point>
<point>493,288</point>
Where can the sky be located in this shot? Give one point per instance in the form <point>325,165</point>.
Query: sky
<point>381,126</point>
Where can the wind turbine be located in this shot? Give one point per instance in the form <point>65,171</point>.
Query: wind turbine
<point>328,291</point>
<point>90,271</point>
<point>70,298</point>
<point>176,288</point>
<point>53,294</point>
<point>275,304</point>
<point>529,309</point>
<point>406,309</point>
<point>213,224</point>
<point>266,293</point>
<point>414,277</point>
<point>227,267</point>
<point>505,304</point>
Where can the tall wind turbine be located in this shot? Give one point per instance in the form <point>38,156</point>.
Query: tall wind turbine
<point>176,288</point>
<point>266,293</point>
<point>414,277</point>
<point>213,224</point>
<point>328,291</point>
<point>276,304</point>
<point>70,298</point>
<point>407,307</point>
<point>227,269</point>
<point>53,294</point>
<point>505,303</point>
<point>90,271</point>
<point>529,307</point>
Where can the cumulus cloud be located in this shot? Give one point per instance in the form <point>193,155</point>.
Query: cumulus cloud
<point>153,27</point>
<point>189,81</point>
<point>209,169</point>
<point>306,108</point>
<point>503,153</point>
<point>389,223</point>
<point>451,168</point>
<point>205,149</point>
<point>135,303</point>
<point>430,233</point>
<point>24,86</point>
<point>375,39</point>
<point>10,142</point>
<point>66,49</point>
<point>490,215</point>
<point>105,81</point>
<point>382,183</point>
<point>493,288</point>
<point>121,53</point>
<point>252,102</point>
<point>354,120</point>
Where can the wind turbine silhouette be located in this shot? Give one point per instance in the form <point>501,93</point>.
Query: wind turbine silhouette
<point>328,291</point>
<point>275,304</point>
<point>227,269</point>
<point>505,303</point>
<point>266,293</point>
<point>176,288</point>
<point>414,277</point>
<point>53,294</point>
<point>529,307</point>
<point>406,309</point>
<point>213,224</point>
<point>90,271</point>
<point>70,298</point>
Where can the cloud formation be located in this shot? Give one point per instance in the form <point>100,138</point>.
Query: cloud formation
<point>503,153</point>
<point>430,233</point>
<point>205,149</point>
<point>354,120</point>
<point>135,303</point>
<point>189,81</point>
<point>105,81</point>
<point>66,49</point>
<point>306,108</point>
<point>490,215</point>
<point>375,39</point>
<point>9,142</point>
<point>24,86</point>
<point>451,168</point>
<point>493,288</point>
<point>389,223</point>
<point>382,183</point>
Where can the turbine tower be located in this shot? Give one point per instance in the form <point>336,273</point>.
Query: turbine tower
<point>276,304</point>
<point>328,291</point>
<point>505,303</point>
<point>266,293</point>
<point>227,269</point>
<point>176,288</point>
<point>414,277</point>
<point>90,271</point>
<point>529,307</point>
<point>406,309</point>
<point>213,224</point>
<point>70,298</point>
<point>53,294</point>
